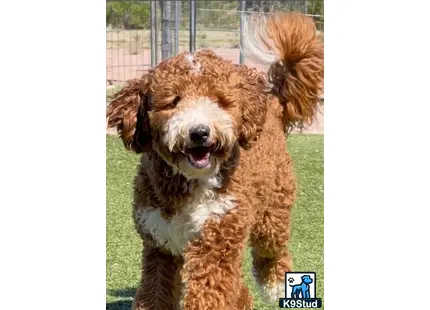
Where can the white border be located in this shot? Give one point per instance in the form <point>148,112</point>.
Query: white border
<point>52,159</point>
<point>52,200</point>
<point>376,154</point>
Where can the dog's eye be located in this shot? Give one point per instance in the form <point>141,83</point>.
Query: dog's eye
<point>176,100</point>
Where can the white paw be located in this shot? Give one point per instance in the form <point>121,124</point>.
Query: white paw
<point>271,294</point>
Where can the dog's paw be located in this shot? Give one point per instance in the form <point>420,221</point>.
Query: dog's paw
<point>269,292</point>
<point>272,293</point>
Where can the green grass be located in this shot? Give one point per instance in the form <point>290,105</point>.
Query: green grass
<point>123,252</point>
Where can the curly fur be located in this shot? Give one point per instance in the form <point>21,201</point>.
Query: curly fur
<point>296,59</point>
<point>195,222</point>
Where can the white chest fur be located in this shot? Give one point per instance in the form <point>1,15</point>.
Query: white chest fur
<point>174,234</point>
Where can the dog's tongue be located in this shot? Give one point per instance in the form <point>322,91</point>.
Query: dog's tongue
<point>199,158</point>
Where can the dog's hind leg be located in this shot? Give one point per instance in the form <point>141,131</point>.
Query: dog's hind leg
<point>271,232</point>
<point>295,293</point>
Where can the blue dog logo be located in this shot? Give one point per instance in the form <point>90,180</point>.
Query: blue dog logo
<point>302,288</point>
<point>302,295</point>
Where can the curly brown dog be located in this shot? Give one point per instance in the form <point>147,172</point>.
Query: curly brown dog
<point>214,173</point>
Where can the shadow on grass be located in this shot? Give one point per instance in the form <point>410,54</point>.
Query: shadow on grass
<point>125,292</point>
<point>119,305</point>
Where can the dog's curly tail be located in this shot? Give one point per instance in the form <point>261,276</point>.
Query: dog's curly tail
<point>290,44</point>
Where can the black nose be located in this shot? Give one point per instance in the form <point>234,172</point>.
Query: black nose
<point>199,134</point>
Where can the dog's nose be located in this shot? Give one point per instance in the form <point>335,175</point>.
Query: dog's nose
<point>199,134</point>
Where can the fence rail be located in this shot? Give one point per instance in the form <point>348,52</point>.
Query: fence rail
<point>139,34</point>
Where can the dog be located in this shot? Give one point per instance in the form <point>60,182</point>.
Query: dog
<point>302,288</point>
<point>214,173</point>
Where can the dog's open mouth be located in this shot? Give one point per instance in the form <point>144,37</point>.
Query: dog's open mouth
<point>199,157</point>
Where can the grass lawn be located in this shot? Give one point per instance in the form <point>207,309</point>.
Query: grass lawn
<point>123,248</point>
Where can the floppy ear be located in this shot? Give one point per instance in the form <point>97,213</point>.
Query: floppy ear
<point>251,93</point>
<point>128,113</point>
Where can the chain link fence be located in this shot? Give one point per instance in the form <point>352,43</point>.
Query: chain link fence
<point>139,34</point>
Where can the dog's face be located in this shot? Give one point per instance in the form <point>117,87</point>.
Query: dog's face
<point>192,130</point>
<point>307,279</point>
<point>196,135</point>
<point>192,110</point>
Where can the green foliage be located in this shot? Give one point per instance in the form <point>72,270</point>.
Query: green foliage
<point>124,14</point>
<point>128,14</point>
<point>136,14</point>
<point>316,7</point>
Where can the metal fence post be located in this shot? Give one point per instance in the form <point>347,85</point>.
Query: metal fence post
<point>177,21</point>
<point>153,33</point>
<point>242,21</point>
<point>156,28</point>
<point>192,26</point>
<point>166,41</point>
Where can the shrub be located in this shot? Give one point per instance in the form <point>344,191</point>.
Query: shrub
<point>128,14</point>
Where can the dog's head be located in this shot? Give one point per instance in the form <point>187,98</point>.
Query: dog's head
<point>307,279</point>
<point>192,110</point>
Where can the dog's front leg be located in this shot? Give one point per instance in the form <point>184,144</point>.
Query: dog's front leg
<point>212,274</point>
<point>160,284</point>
